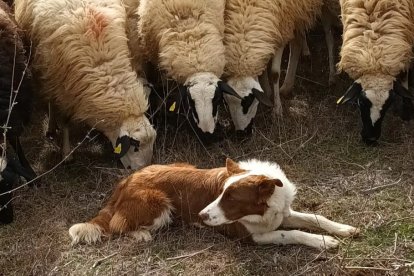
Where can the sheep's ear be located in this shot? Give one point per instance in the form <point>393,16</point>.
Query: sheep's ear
<point>261,97</point>
<point>400,90</point>
<point>123,144</point>
<point>225,88</point>
<point>353,91</point>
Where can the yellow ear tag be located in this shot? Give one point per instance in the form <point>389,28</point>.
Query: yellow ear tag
<point>339,100</point>
<point>118,149</point>
<point>172,107</point>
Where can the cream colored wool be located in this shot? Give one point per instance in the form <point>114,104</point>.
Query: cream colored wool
<point>134,39</point>
<point>82,58</point>
<point>255,29</point>
<point>183,37</point>
<point>378,37</point>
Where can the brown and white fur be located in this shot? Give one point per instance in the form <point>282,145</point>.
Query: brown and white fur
<point>247,200</point>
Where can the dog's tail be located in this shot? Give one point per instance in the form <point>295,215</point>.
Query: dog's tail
<point>92,231</point>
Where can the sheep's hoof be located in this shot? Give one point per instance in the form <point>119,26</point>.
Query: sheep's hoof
<point>286,91</point>
<point>277,112</point>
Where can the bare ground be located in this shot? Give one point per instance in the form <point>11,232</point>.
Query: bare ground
<point>316,143</point>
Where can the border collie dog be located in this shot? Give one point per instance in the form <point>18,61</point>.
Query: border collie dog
<point>247,200</point>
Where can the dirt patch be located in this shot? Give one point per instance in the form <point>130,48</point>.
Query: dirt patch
<point>316,143</point>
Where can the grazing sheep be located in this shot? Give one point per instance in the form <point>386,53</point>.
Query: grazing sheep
<point>377,46</point>
<point>14,76</point>
<point>83,65</point>
<point>185,39</point>
<point>255,31</point>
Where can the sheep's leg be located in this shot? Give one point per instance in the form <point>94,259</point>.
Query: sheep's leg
<point>264,81</point>
<point>276,64</point>
<point>17,147</point>
<point>305,47</point>
<point>52,124</point>
<point>330,43</point>
<point>281,237</point>
<point>317,222</point>
<point>295,49</point>
<point>66,143</point>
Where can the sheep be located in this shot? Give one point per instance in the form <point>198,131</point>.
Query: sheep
<point>329,17</point>
<point>378,37</point>
<point>255,31</point>
<point>185,39</point>
<point>14,76</point>
<point>82,63</point>
<point>10,171</point>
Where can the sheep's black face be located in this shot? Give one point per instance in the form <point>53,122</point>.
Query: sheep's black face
<point>204,93</point>
<point>371,122</point>
<point>373,106</point>
<point>243,109</point>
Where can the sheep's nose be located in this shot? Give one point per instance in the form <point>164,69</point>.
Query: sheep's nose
<point>204,216</point>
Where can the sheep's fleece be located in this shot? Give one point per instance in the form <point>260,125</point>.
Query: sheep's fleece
<point>83,64</point>
<point>254,31</point>
<point>378,36</point>
<point>185,39</point>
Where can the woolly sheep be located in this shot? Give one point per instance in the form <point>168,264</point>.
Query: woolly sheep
<point>331,10</point>
<point>83,65</point>
<point>255,31</point>
<point>185,39</point>
<point>378,37</point>
<point>14,76</point>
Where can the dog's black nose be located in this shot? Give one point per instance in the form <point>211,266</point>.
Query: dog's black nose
<point>204,216</point>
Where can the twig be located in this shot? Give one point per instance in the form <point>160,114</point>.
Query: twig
<point>368,268</point>
<point>373,189</point>
<point>312,81</point>
<point>58,164</point>
<point>376,259</point>
<point>189,255</point>
<point>98,262</point>
<point>7,203</point>
<point>396,220</point>
<point>395,242</point>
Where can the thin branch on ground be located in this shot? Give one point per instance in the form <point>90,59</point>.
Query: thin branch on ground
<point>189,255</point>
<point>99,262</point>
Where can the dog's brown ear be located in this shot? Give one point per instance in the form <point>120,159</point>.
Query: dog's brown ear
<point>266,188</point>
<point>233,167</point>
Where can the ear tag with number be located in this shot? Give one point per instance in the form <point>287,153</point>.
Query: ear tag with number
<point>172,107</point>
<point>118,149</point>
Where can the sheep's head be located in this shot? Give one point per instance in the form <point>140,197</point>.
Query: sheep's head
<point>204,92</point>
<point>133,142</point>
<point>243,109</point>
<point>374,95</point>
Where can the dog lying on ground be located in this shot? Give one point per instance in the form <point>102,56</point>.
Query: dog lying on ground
<point>247,200</point>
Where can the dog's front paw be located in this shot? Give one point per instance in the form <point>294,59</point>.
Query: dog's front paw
<point>347,231</point>
<point>328,242</point>
<point>141,235</point>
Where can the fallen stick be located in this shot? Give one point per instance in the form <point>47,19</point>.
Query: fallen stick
<point>189,255</point>
<point>98,262</point>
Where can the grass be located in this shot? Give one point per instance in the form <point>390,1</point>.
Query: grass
<point>316,143</point>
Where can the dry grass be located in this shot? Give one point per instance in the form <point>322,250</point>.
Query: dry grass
<point>316,143</point>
